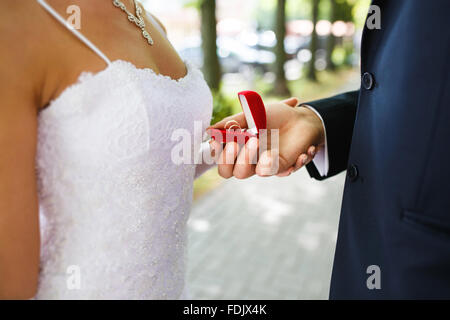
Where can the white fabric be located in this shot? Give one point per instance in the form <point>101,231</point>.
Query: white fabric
<point>321,160</point>
<point>205,152</point>
<point>113,205</point>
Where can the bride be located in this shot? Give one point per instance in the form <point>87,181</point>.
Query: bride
<point>91,205</point>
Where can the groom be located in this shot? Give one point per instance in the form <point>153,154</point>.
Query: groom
<point>393,138</point>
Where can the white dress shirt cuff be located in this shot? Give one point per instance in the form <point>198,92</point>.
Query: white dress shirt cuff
<point>321,160</point>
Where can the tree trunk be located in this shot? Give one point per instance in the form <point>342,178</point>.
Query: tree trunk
<point>211,64</point>
<point>314,40</point>
<point>331,41</point>
<point>281,87</point>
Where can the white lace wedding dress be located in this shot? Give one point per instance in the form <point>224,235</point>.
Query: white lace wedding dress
<point>113,205</point>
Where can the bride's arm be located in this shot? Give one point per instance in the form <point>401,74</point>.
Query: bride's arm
<point>19,221</point>
<point>19,225</point>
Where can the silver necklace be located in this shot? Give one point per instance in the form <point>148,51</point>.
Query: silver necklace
<point>138,20</point>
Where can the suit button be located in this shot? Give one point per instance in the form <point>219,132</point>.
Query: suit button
<point>352,172</point>
<point>368,81</point>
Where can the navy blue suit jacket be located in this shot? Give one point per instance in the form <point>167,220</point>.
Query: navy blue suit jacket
<point>393,136</point>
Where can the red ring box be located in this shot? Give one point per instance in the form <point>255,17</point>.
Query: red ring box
<point>255,114</point>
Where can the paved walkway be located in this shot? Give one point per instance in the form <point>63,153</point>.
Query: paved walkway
<point>265,239</point>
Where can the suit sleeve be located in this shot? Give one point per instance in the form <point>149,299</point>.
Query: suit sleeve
<point>338,114</point>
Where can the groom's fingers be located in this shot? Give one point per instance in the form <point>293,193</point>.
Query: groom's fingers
<point>304,158</point>
<point>227,159</point>
<point>246,162</point>
<point>286,173</point>
<point>292,102</point>
<point>240,117</point>
<point>237,118</point>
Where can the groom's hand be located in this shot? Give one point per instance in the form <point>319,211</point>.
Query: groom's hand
<point>301,135</point>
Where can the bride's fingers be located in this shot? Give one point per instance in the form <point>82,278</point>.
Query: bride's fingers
<point>246,162</point>
<point>227,159</point>
<point>216,150</point>
<point>270,164</point>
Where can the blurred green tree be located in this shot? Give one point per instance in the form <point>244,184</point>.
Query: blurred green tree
<point>211,65</point>
<point>331,40</point>
<point>280,88</point>
<point>208,25</point>
<point>345,11</point>
<point>312,75</point>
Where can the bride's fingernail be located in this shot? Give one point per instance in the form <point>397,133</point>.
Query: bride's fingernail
<point>212,148</point>
<point>266,172</point>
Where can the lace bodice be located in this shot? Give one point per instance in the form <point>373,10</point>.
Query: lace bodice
<point>113,204</point>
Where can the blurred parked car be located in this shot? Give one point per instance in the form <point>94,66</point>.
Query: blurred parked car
<point>253,51</point>
<point>234,56</point>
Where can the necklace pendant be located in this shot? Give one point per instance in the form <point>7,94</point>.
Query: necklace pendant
<point>147,36</point>
<point>138,20</point>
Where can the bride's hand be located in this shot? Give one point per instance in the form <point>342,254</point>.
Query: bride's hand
<point>301,135</point>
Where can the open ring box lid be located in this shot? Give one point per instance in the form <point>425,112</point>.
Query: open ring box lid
<point>255,115</point>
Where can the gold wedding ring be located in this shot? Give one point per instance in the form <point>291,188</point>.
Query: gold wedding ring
<point>234,125</point>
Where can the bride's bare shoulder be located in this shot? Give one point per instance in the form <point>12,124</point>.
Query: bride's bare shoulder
<point>20,25</point>
<point>22,39</point>
<point>159,22</point>
<point>19,11</point>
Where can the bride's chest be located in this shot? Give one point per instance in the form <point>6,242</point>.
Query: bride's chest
<point>112,117</point>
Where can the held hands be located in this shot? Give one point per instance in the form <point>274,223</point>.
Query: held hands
<point>301,135</point>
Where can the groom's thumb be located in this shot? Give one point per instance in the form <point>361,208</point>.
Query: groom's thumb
<point>292,102</point>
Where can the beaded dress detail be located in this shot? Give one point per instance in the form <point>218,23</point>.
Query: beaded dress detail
<point>113,206</point>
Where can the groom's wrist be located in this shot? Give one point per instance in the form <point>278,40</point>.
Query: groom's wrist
<point>314,120</point>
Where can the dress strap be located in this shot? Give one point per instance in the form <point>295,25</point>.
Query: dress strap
<point>78,34</point>
<point>156,24</point>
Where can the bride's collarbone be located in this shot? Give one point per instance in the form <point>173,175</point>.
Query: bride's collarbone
<point>120,40</point>
<point>81,59</point>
